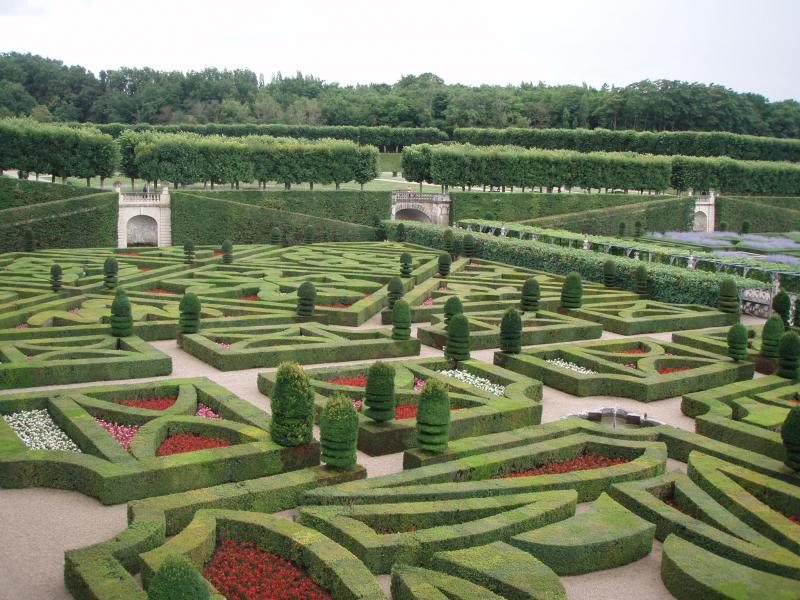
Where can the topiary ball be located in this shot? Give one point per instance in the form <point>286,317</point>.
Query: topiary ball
<point>400,232</point>
<point>457,349</point>
<point>177,579</point>
<point>452,307</point>
<point>572,291</point>
<point>338,432</point>
<point>511,332</point>
<point>379,393</point>
<point>190,308</point>
<point>395,291</point>
<point>227,252</point>
<point>401,321</point>
<point>433,417</point>
<point>790,433</point>
<point>405,264</point>
<point>729,297</point>
<point>782,304</point>
<point>789,356</point>
<point>771,336</point>
<point>737,342</point>
<point>610,274</point>
<point>444,264</point>
<point>641,284</point>
<point>306,299</point>
<point>469,245</point>
<point>292,403</point>
<point>275,236</point>
<point>530,295</point>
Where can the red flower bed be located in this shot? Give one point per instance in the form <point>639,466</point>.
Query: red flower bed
<point>151,403</point>
<point>243,571</point>
<point>217,252</point>
<point>671,370</point>
<point>590,460</point>
<point>633,351</point>
<point>352,381</point>
<point>189,442</point>
<point>143,269</point>
<point>160,291</point>
<point>335,305</point>
<point>127,254</point>
<point>248,297</point>
<point>409,411</point>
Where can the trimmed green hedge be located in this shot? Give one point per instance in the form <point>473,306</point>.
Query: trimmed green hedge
<point>762,217</point>
<point>21,192</point>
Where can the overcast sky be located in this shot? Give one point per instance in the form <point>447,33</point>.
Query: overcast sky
<point>748,45</point>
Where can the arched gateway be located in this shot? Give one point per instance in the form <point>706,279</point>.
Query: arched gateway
<point>426,208</point>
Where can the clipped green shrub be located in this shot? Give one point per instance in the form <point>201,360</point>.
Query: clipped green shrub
<point>790,433</point>
<point>308,234</point>
<point>395,289</point>
<point>189,321</point>
<point>457,349</point>
<point>379,393</point>
<point>188,252</point>
<point>511,332</point>
<point>306,299</point>
<point>177,579</point>
<point>121,315</point>
<point>227,252</point>
<point>723,226</point>
<point>448,241</point>
<point>110,270</point>
<point>637,229</point>
<point>728,297</point>
<point>782,304</point>
<point>610,273</point>
<point>275,236</point>
<point>641,283</point>
<point>29,244</point>
<point>405,264</point>
<point>55,277</point>
<point>292,404</point>
<point>433,417</point>
<point>469,245</point>
<point>789,356</point>
<point>621,229</point>
<point>380,231</point>
<point>401,321</point>
<point>452,307</point>
<point>771,336</point>
<point>737,342</point>
<point>745,228</point>
<point>530,295</point>
<point>338,432</point>
<point>572,291</point>
<point>400,233</point>
<point>444,264</point>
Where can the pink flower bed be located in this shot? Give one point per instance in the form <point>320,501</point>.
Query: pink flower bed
<point>205,411</point>
<point>122,434</point>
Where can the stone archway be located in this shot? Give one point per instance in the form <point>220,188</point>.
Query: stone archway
<point>142,231</point>
<point>412,214</point>
<point>700,221</point>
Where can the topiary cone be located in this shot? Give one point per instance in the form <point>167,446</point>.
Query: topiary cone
<point>292,405</point>
<point>511,332</point>
<point>401,321</point>
<point>338,433</point>
<point>641,281</point>
<point>572,291</point>
<point>405,265</point>
<point>29,244</point>
<point>610,274</point>
<point>227,252</point>
<point>457,349</point>
<point>737,342</point>
<point>790,433</point>
<point>121,315</point>
<point>449,241</point>
<point>771,336</point>
<point>275,236</point>
<point>400,232</point>
<point>379,393</point>
<point>729,297</point>
<point>110,270</point>
<point>782,304</point>
<point>55,277</point>
<point>530,295</point>
<point>306,299</point>
<point>452,307</point>
<point>395,291</point>
<point>177,579</point>
<point>444,264</point>
<point>789,356</point>
<point>188,252</point>
<point>190,308</point>
<point>433,417</point>
<point>469,245</point>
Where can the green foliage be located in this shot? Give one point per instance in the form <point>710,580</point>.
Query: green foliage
<point>30,241</point>
<point>121,315</point>
<point>610,274</point>
<point>745,228</point>
<point>447,239</point>
<point>188,252</point>
<point>227,252</point>
<point>761,217</point>
<point>642,281</point>
<point>737,342</point>
<point>309,234</point>
<point>306,299</point>
<point>452,307</point>
<point>110,270</point>
<point>790,433</point>
<point>789,356</point>
<point>469,245</point>
<point>621,229</point>
<point>400,232</point>
<point>444,264</point>
<point>457,349</point>
<point>771,336</point>
<point>395,291</point>
<point>723,226</point>
<point>637,229</point>
<point>729,296</point>
<point>530,295</point>
<point>379,393</point>
<point>782,304</point>
<point>401,321</point>
<point>433,417</point>
<point>572,291</point>
<point>275,236</point>
<point>405,264</point>
<point>177,579</point>
<point>511,332</point>
<point>338,432</point>
<point>190,309</point>
<point>292,404</point>
<point>55,277</point>
<point>19,192</point>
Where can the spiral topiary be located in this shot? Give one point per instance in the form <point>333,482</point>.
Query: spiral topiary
<point>433,417</point>
<point>469,245</point>
<point>306,299</point>
<point>610,273</point>
<point>771,336</point>
<point>449,241</point>
<point>444,264</point>
<point>457,349</point>
<point>511,332</point>
<point>782,304</point>
<point>29,243</point>
<point>189,321</point>
<point>338,432</point>
<point>395,291</point>
<point>790,433</point>
<point>737,342</point>
<point>641,284</point>
<point>379,393</point>
<point>452,307</point>
<point>55,277</point>
<point>275,236</point>
<point>110,270</point>
<point>789,356</point>
<point>121,315</point>
<point>728,296</point>
<point>401,321</point>
<point>227,252</point>
<point>177,579</point>
<point>292,405</point>
<point>530,295</point>
<point>188,252</point>
<point>308,235</point>
<point>400,232</point>
<point>572,291</point>
<point>405,264</point>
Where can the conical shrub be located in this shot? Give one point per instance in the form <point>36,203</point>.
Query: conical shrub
<point>400,232</point>
<point>448,241</point>
<point>511,332</point>
<point>110,270</point>
<point>637,229</point>
<point>737,342</point>
<point>379,394</point>
<point>789,356</point>
<point>782,304</point>
<point>572,291</point>
<point>641,284</point>
<point>469,245</point>
<point>190,308</point>
<point>227,252</point>
<point>292,405</point>
<point>395,291</point>
<point>29,243</point>
<point>338,432</point>
<point>177,579</point>
<point>401,321</point>
<point>433,417</point>
<point>729,296</point>
<point>56,275</point>
<point>121,315</point>
<point>452,307</point>
<point>610,274</point>
<point>444,264</point>
<point>405,265</point>
<point>790,433</point>
<point>771,336</point>
<point>188,252</point>
<point>306,299</point>
<point>275,236</point>
<point>457,349</point>
<point>530,295</point>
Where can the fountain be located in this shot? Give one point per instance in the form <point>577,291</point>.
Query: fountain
<point>615,417</point>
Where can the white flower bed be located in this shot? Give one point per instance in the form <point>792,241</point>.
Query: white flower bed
<point>479,382</point>
<point>565,364</point>
<point>38,431</point>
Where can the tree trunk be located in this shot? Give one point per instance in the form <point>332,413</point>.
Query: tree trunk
<point>102,182</point>
<point>337,186</point>
<point>311,186</point>
<point>64,180</point>
<point>420,187</point>
<point>212,184</point>
<point>362,187</point>
<point>287,185</point>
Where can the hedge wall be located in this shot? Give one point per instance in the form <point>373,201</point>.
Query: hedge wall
<point>351,207</point>
<point>727,175</point>
<point>790,202</point>
<point>20,192</point>
<point>762,217</point>
<point>83,222</point>
<point>690,143</point>
<point>209,221</point>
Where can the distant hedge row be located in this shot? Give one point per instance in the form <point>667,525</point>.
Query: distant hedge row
<point>21,192</point>
<point>62,151</point>
<point>689,143</point>
<point>761,217</point>
<point>468,165</point>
